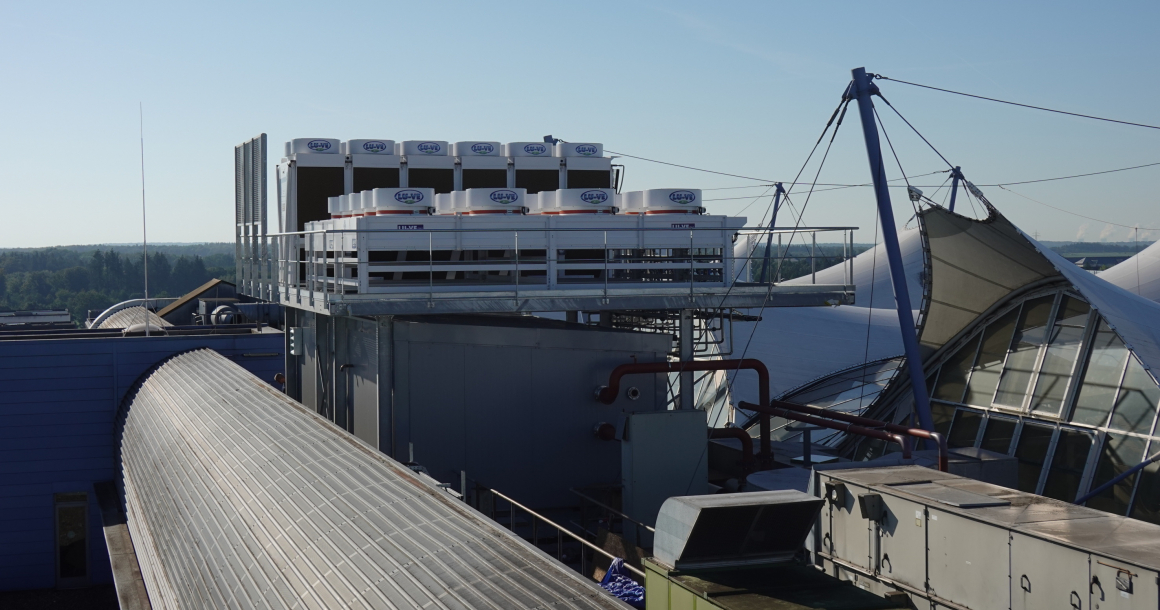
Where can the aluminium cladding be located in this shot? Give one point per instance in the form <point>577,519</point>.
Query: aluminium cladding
<point>239,497</point>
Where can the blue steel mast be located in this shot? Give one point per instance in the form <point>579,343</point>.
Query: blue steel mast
<point>863,88</point>
<point>956,174</point>
<point>769,240</point>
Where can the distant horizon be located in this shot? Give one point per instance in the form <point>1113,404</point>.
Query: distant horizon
<point>1048,242</point>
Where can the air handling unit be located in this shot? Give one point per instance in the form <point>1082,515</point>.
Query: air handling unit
<point>379,226</point>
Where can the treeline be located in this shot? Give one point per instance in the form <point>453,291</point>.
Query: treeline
<point>60,278</point>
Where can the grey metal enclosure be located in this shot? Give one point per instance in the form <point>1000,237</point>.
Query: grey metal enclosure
<point>951,542</point>
<point>502,401</point>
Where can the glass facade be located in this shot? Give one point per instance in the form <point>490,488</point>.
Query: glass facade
<point>1048,381</point>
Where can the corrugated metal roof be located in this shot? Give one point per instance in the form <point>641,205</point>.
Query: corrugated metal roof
<point>239,497</point>
<point>132,315</point>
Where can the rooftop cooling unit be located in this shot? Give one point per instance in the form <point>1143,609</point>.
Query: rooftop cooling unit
<point>428,164</point>
<point>585,165</point>
<point>578,201</point>
<point>403,201</point>
<point>494,201</point>
<point>374,164</point>
<point>662,201</point>
<point>536,168</point>
<point>312,172</point>
<point>482,165</point>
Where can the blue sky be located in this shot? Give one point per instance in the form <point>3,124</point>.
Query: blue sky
<point>740,87</point>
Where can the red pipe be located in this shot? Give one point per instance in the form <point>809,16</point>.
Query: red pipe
<point>943,453</point>
<point>833,425</point>
<point>607,394</point>
<point>746,444</point>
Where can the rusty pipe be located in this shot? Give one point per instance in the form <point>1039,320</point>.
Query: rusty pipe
<point>833,425</point>
<point>746,444</point>
<point>607,394</point>
<point>939,439</point>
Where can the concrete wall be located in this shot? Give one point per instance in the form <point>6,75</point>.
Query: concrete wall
<point>58,404</point>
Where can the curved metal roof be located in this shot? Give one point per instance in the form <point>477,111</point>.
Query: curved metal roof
<point>239,497</point>
<point>130,316</point>
<point>1139,274</point>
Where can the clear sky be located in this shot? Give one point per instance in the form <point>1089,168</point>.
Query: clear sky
<point>738,87</point>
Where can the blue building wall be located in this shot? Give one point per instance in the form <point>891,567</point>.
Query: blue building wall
<point>58,403</point>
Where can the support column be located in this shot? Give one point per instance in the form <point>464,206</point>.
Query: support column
<point>956,174</point>
<point>864,88</point>
<point>685,340</point>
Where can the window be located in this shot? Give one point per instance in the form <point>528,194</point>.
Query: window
<point>952,379</point>
<point>965,428</point>
<point>985,377</point>
<point>1136,404</point>
<point>1032,451</point>
<point>72,566</point>
<point>1067,465</point>
<point>1105,367</point>
<point>941,414</point>
<point>1024,352</point>
<point>1120,453</point>
<point>1064,342</point>
<point>998,434</point>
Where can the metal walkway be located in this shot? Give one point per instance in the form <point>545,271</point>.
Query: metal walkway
<point>239,497</point>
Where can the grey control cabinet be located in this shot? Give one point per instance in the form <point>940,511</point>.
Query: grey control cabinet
<point>952,542</point>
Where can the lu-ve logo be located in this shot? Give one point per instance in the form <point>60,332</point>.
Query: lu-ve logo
<point>375,146</point>
<point>682,197</point>
<point>409,196</point>
<point>429,148</point>
<point>594,197</point>
<point>318,145</point>
<point>504,196</point>
<point>482,148</point>
<point>684,225</point>
<point>410,227</point>
<point>535,149</point>
<point>586,150</point>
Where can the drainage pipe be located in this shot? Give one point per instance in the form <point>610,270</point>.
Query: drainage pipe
<point>943,451</point>
<point>833,425</point>
<point>607,394</point>
<point>746,444</point>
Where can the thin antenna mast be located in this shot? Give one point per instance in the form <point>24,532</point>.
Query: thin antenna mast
<point>144,234</point>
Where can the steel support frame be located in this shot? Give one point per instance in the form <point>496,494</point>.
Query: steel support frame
<point>863,88</point>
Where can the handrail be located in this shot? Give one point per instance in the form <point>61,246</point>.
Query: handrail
<point>940,439</point>
<point>743,230</point>
<point>609,509</point>
<point>832,425</point>
<point>561,529</point>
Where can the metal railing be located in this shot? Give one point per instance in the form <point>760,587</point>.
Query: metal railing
<point>323,263</point>
<point>561,533</point>
<point>610,513</point>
